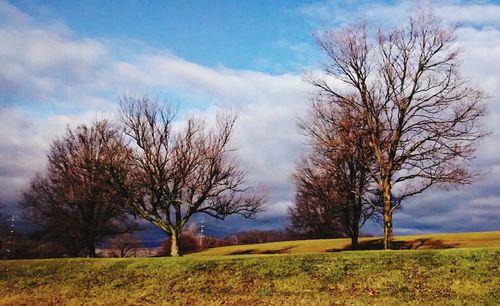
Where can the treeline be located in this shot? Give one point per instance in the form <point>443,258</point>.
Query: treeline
<point>101,177</point>
<point>192,241</point>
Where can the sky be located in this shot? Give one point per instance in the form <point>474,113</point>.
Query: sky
<point>68,62</point>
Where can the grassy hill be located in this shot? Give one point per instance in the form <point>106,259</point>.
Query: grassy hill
<point>451,276</point>
<point>421,242</point>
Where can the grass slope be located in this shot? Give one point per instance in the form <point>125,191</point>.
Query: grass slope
<point>453,276</point>
<point>431,241</point>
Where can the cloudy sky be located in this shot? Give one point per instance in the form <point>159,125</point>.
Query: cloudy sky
<point>67,62</point>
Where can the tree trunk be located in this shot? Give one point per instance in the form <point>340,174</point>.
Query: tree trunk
<point>122,252</point>
<point>175,243</point>
<point>354,242</point>
<point>386,189</point>
<point>91,248</point>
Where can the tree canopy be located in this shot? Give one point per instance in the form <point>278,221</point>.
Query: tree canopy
<point>422,118</point>
<point>183,170</point>
<point>76,201</point>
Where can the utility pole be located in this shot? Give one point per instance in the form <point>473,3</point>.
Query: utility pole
<point>10,243</point>
<point>202,230</point>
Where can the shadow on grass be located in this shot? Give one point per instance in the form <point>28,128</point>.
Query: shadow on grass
<point>284,250</point>
<point>243,252</point>
<point>378,244</point>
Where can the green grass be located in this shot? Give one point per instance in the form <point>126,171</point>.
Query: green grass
<point>452,276</point>
<point>431,241</point>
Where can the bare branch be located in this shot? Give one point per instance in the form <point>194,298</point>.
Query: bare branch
<point>183,170</point>
<point>422,118</point>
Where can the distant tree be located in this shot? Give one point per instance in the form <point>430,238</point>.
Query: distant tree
<point>422,118</point>
<point>48,249</point>
<point>258,236</point>
<point>214,242</point>
<point>124,245</point>
<point>313,213</point>
<point>76,201</point>
<point>182,171</point>
<point>333,185</point>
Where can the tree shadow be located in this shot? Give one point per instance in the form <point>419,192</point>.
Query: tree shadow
<point>285,250</point>
<point>243,252</point>
<point>378,244</point>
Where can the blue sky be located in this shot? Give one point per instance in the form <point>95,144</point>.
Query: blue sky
<point>235,34</point>
<point>66,62</point>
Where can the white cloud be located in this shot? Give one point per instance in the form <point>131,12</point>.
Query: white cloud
<point>475,14</point>
<point>334,13</point>
<point>25,142</point>
<point>480,48</point>
<point>11,15</point>
<point>43,63</point>
<point>66,74</point>
<point>46,67</point>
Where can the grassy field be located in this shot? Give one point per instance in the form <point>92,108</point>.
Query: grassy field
<point>451,276</point>
<point>421,242</point>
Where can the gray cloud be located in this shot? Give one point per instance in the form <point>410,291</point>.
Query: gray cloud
<point>25,141</point>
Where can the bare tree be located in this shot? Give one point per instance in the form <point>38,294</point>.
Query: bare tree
<point>124,245</point>
<point>181,171</point>
<point>314,212</point>
<point>333,193</point>
<point>257,236</point>
<point>77,201</point>
<point>422,118</point>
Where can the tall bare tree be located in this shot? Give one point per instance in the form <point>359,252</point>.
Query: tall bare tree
<point>422,117</point>
<point>181,171</point>
<point>78,200</point>
<point>333,184</point>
